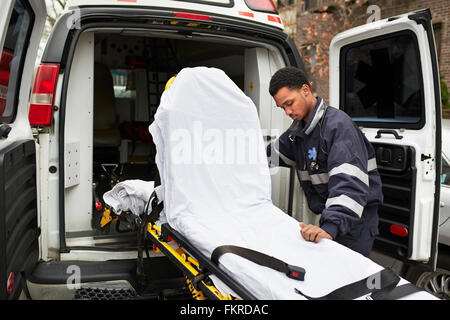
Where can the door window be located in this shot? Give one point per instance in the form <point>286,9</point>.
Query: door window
<point>445,178</point>
<point>382,82</point>
<point>13,57</point>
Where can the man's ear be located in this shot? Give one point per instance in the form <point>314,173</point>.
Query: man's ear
<point>305,90</point>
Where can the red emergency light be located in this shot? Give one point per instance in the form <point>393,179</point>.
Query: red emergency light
<point>192,16</point>
<point>247,14</point>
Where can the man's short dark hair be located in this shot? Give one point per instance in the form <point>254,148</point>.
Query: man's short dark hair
<point>290,77</point>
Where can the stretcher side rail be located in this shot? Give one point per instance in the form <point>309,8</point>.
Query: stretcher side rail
<point>191,270</point>
<point>205,264</point>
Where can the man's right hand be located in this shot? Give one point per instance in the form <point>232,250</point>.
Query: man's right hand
<point>313,233</point>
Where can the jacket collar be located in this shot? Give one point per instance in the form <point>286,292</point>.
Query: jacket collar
<point>301,129</point>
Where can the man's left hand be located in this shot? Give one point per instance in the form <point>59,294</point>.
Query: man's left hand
<point>313,233</point>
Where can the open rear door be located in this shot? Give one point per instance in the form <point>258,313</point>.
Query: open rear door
<point>21,24</point>
<point>385,76</point>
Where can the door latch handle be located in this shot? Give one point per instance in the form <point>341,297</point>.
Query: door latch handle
<point>386,131</point>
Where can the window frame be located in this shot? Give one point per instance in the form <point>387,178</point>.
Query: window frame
<point>16,70</point>
<point>380,124</point>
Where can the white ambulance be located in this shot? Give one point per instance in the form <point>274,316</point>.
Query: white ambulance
<point>78,125</point>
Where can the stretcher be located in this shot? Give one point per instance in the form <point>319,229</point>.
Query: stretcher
<point>196,270</point>
<point>207,281</point>
<point>212,195</point>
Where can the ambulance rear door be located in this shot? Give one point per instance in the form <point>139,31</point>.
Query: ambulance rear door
<point>21,25</point>
<point>385,76</point>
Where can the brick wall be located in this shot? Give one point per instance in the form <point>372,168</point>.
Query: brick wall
<point>446,113</point>
<point>440,10</point>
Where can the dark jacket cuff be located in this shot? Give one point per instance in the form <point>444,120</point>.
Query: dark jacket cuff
<point>330,228</point>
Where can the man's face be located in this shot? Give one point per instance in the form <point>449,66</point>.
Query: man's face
<point>294,102</point>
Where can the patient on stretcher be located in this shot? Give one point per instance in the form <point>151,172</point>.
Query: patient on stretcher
<point>216,189</point>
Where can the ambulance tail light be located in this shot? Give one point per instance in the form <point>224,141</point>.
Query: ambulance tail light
<point>43,95</point>
<point>5,62</point>
<point>261,5</point>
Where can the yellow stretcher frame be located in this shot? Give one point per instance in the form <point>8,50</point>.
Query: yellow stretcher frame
<point>189,266</point>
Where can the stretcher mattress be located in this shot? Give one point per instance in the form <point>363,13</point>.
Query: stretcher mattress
<point>216,187</point>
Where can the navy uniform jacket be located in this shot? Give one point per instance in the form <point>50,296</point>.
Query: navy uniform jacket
<point>337,169</point>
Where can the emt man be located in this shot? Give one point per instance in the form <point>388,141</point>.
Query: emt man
<point>335,164</point>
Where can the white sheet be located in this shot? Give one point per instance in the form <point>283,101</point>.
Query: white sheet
<point>217,192</point>
<point>130,195</point>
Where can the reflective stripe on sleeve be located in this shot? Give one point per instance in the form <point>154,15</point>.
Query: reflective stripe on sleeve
<point>347,202</point>
<point>319,178</point>
<point>371,164</point>
<point>351,170</point>
<point>304,176</point>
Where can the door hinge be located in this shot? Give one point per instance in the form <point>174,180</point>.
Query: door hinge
<point>37,131</point>
<point>428,166</point>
